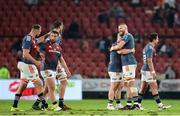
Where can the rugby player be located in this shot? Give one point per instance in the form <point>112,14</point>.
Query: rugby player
<point>129,62</point>
<point>115,73</point>
<point>148,72</point>
<point>29,68</point>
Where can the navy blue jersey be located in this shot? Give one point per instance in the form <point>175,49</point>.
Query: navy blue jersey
<point>128,59</point>
<point>148,52</point>
<point>52,54</point>
<point>30,44</point>
<point>115,62</point>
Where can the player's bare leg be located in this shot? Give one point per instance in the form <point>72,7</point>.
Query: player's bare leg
<point>111,95</point>
<point>142,90</point>
<point>50,86</point>
<point>118,95</point>
<point>62,89</point>
<point>128,95</point>
<point>155,93</point>
<point>114,93</point>
<point>39,87</point>
<point>134,93</point>
<point>45,90</point>
<point>22,86</point>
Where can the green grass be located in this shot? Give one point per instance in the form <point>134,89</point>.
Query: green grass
<point>92,107</point>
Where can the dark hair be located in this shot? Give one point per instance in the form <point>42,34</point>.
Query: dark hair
<point>36,26</point>
<point>55,32</point>
<point>56,24</point>
<point>152,36</point>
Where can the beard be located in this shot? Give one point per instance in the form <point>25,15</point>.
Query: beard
<point>121,33</point>
<point>53,40</point>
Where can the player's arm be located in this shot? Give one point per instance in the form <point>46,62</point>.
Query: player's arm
<point>26,45</point>
<point>42,47</point>
<point>150,65</point>
<point>42,38</point>
<point>27,55</point>
<point>118,46</point>
<point>150,62</point>
<point>126,51</point>
<point>64,65</point>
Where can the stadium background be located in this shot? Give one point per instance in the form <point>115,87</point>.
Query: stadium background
<point>90,28</point>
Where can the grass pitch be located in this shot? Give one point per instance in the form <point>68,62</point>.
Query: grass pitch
<point>92,108</point>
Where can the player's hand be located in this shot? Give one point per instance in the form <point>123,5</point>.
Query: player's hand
<point>112,48</point>
<point>119,52</point>
<point>133,50</point>
<point>68,74</point>
<point>153,73</point>
<point>48,33</point>
<point>42,55</point>
<point>38,63</point>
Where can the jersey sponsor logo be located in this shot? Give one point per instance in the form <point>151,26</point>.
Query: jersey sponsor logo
<point>114,78</point>
<point>54,51</point>
<point>149,79</point>
<point>31,69</point>
<point>127,68</point>
<point>13,87</point>
<point>50,46</point>
<point>57,47</point>
<point>28,38</point>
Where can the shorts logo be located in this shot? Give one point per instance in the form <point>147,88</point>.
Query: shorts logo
<point>149,78</point>
<point>127,68</point>
<point>31,69</point>
<point>114,79</point>
<point>30,76</point>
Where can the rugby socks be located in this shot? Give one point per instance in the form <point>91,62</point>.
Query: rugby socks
<point>16,100</point>
<point>135,99</point>
<point>54,103</point>
<point>61,102</point>
<point>43,101</point>
<point>157,98</point>
<point>129,102</point>
<point>110,101</point>
<point>118,101</point>
<point>37,102</point>
<point>140,97</point>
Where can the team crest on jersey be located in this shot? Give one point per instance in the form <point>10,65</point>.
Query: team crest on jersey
<point>28,39</point>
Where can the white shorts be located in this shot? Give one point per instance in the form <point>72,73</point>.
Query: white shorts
<point>48,74</point>
<point>129,71</point>
<point>147,77</point>
<point>61,74</point>
<point>28,71</point>
<point>115,76</point>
